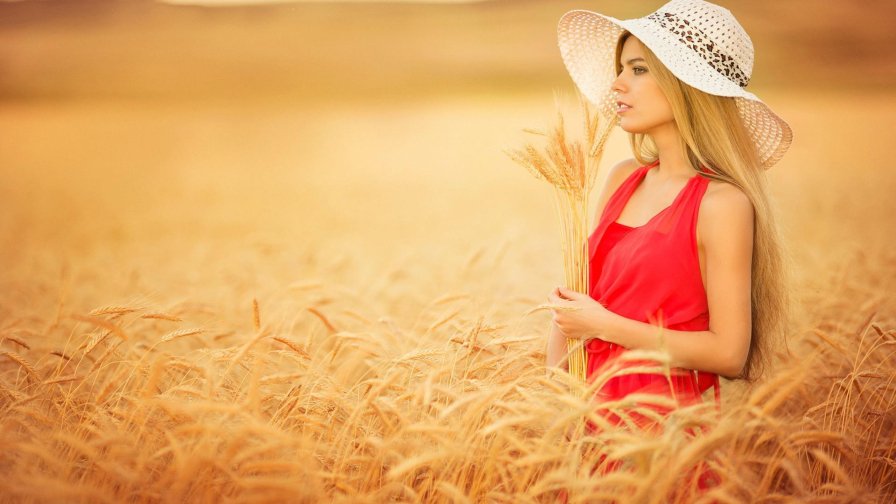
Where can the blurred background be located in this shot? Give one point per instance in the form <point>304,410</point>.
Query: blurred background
<point>218,151</point>
<point>327,181</point>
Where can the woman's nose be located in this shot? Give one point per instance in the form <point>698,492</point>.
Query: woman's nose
<point>617,84</point>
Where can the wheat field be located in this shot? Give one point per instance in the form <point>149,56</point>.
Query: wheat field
<point>270,294</point>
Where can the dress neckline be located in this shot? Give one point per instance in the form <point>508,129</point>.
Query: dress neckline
<point>640,178</point>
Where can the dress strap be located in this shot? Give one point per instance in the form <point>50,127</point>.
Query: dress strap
<point>615,204</point>
<point>621,196</point>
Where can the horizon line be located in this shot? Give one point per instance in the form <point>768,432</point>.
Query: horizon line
<point>222,3</point>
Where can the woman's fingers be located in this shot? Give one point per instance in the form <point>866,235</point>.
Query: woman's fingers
<point>567,294</point>
<point>551,306</point>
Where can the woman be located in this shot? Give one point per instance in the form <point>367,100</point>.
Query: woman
<point>685,256</point>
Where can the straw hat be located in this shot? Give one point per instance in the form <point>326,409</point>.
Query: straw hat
<point>701,43</point>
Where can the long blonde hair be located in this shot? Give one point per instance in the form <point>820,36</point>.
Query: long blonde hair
<point>713,135</point>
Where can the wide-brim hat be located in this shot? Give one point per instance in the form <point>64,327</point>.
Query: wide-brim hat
<point>700,43</point>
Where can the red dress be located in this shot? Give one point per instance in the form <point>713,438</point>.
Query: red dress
<point>650,273</point>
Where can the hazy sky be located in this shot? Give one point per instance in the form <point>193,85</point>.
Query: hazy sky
<point>248,2</point>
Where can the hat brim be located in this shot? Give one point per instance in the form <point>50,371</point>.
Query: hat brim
<point>587,42</point>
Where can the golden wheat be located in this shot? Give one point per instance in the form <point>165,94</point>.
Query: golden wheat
<point>161,316</point>
<point>571,168</point>
<point>16,341</point>
<point>421,351</point>
<point>180,333</point>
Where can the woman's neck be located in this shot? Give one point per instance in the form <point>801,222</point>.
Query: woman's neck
<point>674,161</point>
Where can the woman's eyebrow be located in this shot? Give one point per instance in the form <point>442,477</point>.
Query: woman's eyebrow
<point>629,62</point>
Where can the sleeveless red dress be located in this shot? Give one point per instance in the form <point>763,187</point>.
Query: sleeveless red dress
<point>650,273</point>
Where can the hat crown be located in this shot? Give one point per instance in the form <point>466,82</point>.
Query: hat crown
<point>712,32</point>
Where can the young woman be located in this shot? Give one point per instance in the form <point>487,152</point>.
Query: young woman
<point>685,256</point>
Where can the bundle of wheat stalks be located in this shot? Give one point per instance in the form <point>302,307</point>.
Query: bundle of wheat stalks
<point>571,168</point>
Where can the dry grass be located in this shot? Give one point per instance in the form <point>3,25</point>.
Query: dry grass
<point>412,378</point>
<point>446,421</point>
<point>571,168</point>
<point>437,394</point>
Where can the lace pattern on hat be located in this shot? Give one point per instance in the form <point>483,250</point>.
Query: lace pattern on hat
<point>698,42</point>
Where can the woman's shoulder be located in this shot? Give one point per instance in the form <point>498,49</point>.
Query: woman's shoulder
<point>724,197</point>
<point>619,172</point>
<point>624,168</point>
<point>724,208</point>
<point>616,175</point>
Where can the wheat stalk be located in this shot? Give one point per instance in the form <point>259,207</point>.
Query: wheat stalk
<point>571,168</point>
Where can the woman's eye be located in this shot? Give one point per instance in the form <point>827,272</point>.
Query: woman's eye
<point>638,70</point>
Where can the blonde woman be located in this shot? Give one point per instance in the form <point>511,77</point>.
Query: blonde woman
<point>685,255</point>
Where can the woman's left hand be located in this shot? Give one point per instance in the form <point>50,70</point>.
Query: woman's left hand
<point>586,318</point>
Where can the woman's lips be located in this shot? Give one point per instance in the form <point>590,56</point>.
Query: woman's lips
<point>622,107</point>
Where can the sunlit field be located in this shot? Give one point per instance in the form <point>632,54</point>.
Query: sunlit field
<point>277,254</point>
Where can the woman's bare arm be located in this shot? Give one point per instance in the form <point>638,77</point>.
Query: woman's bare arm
<point>557,350</point>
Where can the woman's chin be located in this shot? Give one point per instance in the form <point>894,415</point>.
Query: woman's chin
<point>631,128</point>
<point>628,128</point>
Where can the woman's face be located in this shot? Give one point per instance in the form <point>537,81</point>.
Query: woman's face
<point>646,108</point>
